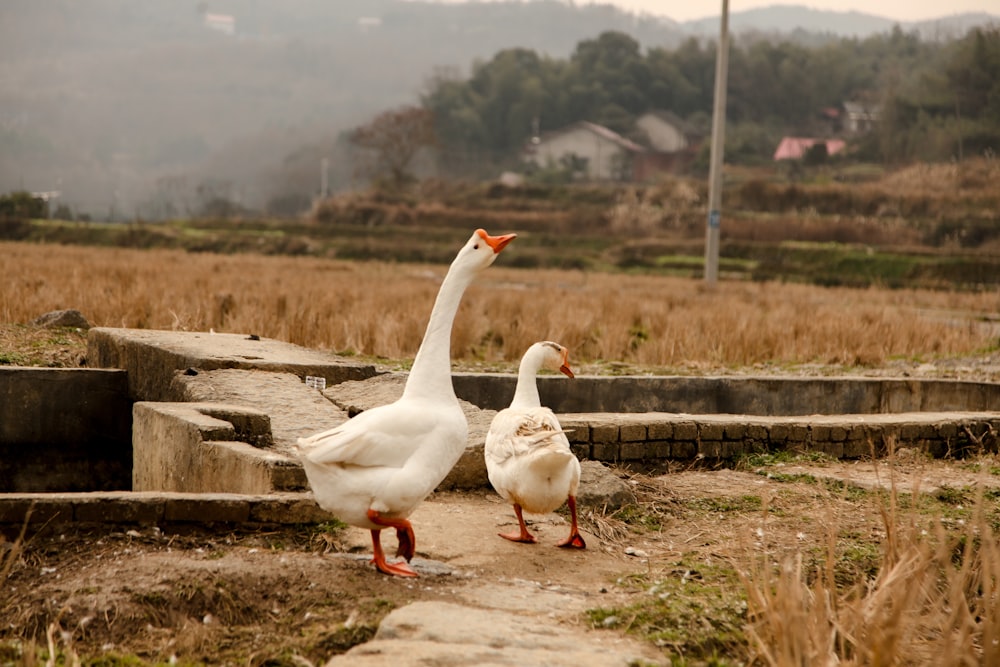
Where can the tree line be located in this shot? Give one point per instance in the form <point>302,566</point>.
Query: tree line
<point>937,100</point>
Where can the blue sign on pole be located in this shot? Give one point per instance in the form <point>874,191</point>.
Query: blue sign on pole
<point>714,219</point>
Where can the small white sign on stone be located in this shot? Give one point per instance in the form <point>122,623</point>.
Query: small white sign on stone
<point>316,382</point>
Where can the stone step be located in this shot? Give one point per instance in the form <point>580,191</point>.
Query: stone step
<point>159,508</point>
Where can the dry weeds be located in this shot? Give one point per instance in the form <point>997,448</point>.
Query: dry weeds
<point>379,310</point>
<point>933,600</point>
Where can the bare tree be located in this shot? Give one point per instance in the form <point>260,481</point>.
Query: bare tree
<point>393,139</point>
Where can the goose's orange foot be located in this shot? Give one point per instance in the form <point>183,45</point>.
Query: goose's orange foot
<point>407,543</point>
<point>378,559</point>
<point>400,569</point>
<point>574,541</point>
<point>524,537</point>
<point>404,533</point>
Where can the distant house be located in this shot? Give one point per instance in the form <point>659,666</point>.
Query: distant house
<point>665,132</point>
<point>794,148</point>
<point>671,142</point>
<point>663,142</point>
<point>224,23</point>
<point>860,117</point>
<point>599,153</point>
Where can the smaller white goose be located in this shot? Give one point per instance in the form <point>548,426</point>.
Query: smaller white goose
<point>528,458</point>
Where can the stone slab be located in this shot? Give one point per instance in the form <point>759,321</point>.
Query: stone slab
<point>126,507</point>
<point>152,357</point>
<point>444,633</point>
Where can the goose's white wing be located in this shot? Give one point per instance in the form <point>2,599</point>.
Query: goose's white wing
<point>385,436</point>
<point>523,431</point>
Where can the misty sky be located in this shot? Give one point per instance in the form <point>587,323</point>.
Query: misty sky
<point>900,10</point>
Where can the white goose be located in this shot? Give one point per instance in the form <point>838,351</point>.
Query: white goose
<point>373,470</point>
<point>528,458</point>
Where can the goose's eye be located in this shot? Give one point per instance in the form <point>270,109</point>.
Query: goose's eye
<point>475,247</point>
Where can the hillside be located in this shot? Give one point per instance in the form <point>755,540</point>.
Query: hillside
<point>111,101</point>
<point>801,21</point>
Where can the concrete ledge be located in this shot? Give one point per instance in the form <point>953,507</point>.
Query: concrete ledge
<point>735,395</point>
<point>152,357</point>
<point>203,448</point>
<point>125,507</point>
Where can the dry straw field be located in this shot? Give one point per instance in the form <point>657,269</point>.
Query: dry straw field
<point>379,310</point>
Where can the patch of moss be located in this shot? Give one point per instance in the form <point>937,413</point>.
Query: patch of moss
<point>726,504</point>
<point>696,612</point>
<point>781,457</point>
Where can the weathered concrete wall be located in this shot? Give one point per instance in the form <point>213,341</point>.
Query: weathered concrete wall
<point>735,395</point>
<point>64,429</point>
<point>208,448</point>
<point>153,357</point>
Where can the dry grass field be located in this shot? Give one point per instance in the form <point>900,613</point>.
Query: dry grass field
<point>611,322</point>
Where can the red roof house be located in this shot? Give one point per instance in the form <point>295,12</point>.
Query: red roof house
<point>793,148</point>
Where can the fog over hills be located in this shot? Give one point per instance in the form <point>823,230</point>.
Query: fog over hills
<point>112,102</point>
<point>792,19</point>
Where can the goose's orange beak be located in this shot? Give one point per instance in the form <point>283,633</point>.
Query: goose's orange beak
<point>498,243</point>
<point>565,369</point>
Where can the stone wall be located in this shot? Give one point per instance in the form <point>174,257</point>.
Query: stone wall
<point>653,437</point>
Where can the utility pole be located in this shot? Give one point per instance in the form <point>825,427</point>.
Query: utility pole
<point>718,145</point>
<point>324,178</point>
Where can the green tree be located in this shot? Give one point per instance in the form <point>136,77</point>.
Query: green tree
<point>973,82</point>
<point>611,75</point>
<point>935,97</point>
<point>22,204</point>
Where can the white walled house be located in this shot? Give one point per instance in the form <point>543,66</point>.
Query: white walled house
<point>859,117</point>
<point>665,132</point>
<point>605,154</point>
<point>663,143</point>
<point>224,23</point>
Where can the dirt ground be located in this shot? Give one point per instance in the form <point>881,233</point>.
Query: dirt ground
<point>302,595</point>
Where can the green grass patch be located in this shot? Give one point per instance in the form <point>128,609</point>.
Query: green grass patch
<point>14,359</point>
<point>695,613</point>
<point>720,505</point>
<point>636,517</point>
<point>781,457</point>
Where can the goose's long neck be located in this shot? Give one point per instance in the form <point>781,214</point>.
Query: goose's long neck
<point>526,393</point>
<point>431,372</point>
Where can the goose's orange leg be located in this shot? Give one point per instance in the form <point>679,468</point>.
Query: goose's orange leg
<point>575,539</point>
<point>523,535</point>
<point>407,545</point>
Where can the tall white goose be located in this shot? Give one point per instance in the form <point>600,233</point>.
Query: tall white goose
<point>373,470</point>
<point>528,458</point>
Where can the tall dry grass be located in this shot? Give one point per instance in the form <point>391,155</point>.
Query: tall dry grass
<point>381,309</point>
<point>935,599</point>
